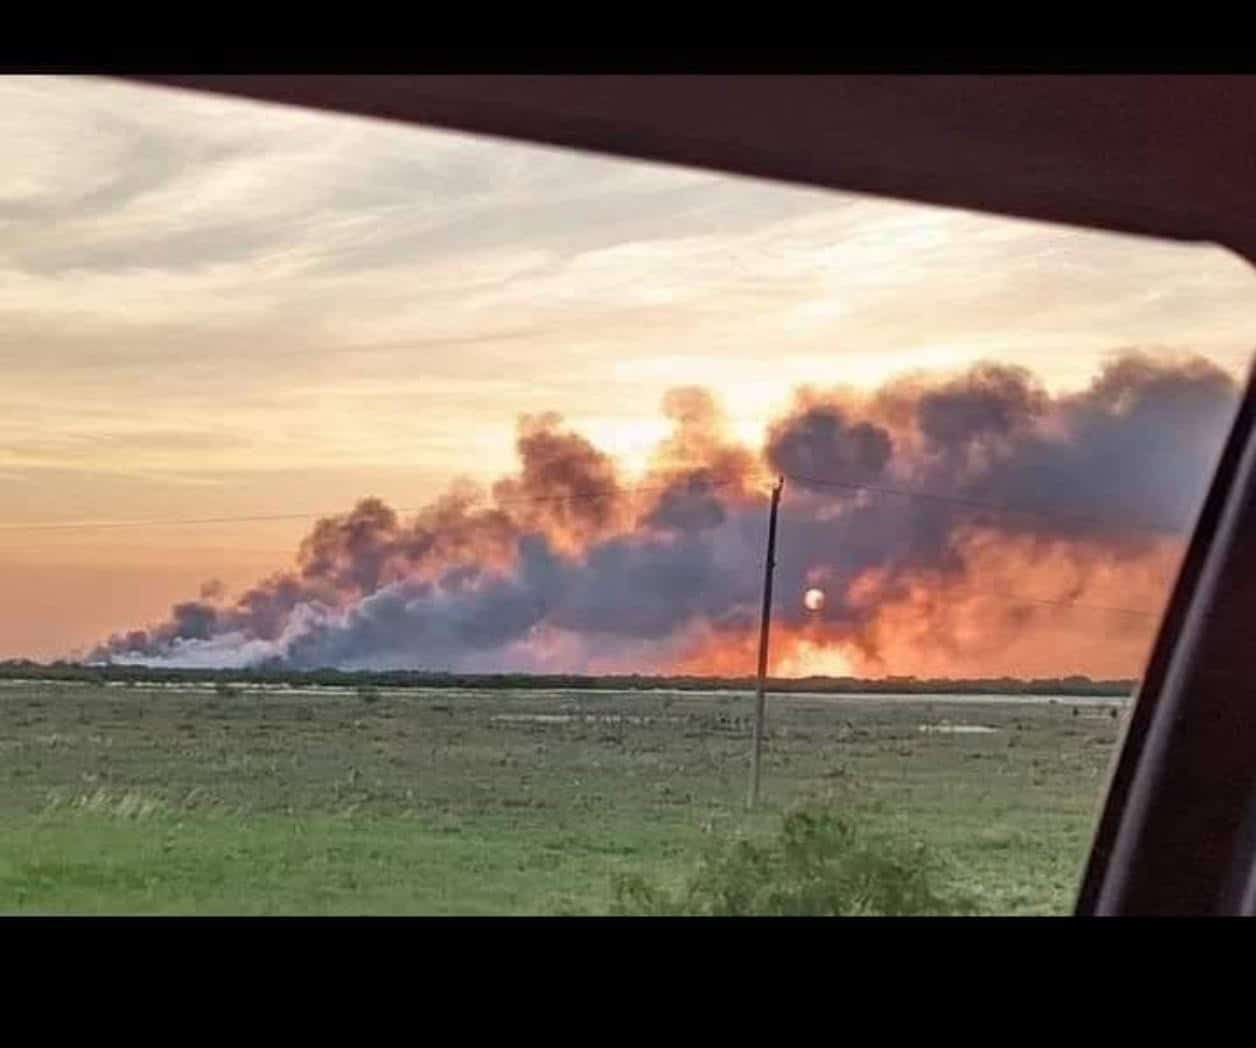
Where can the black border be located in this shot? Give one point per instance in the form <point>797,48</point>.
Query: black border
<point>198,59</point>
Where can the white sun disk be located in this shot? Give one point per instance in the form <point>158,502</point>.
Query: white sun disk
<point>813,599</point>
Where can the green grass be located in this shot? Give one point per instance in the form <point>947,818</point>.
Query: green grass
<point>204,800</point>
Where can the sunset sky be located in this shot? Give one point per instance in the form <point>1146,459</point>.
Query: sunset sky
<point>214,308</point>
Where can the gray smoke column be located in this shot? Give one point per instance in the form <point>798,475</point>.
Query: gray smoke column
<point>820,442</point>
<point>564,565</point>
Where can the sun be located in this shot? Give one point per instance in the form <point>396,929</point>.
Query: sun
<point>813,599</point>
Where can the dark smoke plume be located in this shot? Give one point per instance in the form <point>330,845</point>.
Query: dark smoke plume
<point>566,565</point>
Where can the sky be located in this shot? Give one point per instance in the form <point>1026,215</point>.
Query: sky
<point>216,308</point>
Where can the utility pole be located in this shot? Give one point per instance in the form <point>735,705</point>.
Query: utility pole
<point>764,625</point>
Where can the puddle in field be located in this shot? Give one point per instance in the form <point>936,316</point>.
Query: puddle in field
<point>957,729</point>
<point>585,718</point>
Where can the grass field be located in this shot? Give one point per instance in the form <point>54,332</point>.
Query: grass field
<point>206,800</point>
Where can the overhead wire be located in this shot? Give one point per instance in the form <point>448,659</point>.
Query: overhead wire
<point>575,496</point>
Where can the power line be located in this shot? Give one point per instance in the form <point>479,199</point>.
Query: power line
<point>96,525</point>
<point>575,496</point>
<point>613,492</point>
<point>978,504</point>
<point>1017,599</point>
<point>1009,597</point>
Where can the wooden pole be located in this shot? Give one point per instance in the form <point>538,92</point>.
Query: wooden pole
<point>764,625</point>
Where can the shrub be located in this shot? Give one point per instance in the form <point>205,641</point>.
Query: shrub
<point>818,865</point>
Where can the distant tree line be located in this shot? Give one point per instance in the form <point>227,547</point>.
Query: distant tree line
<point>24,669</point>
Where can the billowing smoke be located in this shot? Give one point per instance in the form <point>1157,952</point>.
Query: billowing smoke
<point>566,489</point>
<point>818,442</point>
<point>969,523</point>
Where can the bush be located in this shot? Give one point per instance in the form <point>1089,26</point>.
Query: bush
<point>368,694</point>
<point>819,865</point>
